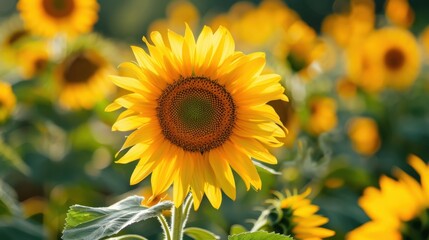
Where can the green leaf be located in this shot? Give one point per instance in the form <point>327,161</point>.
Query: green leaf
<point>199,233</point>
<point>17,228</point>
<point>266,168</point>
<point>89,223</point>
<point>128,237</point>
<point>259,235</point>
<point>10,159</point>
<point>9,206</point>
<point>237,228</point>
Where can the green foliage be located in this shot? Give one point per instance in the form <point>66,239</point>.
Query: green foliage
<point>9,206</point>
<point>237,228</point>
<point>199,233</point>
<point>91,223</point>
<point>10,159</point>
<point>259,235</point>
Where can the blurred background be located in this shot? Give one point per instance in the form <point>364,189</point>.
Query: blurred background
<point>356,73</point>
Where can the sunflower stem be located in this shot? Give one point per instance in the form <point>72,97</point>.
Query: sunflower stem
<point>165,228</point>
<point>179,218</point>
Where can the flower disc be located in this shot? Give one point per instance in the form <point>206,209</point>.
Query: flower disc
<point>196,114</point>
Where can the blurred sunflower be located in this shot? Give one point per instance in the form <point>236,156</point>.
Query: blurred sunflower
<point>81,78</point>
<point>50,17</point>
<point>389,57</point>
<point>351,27</point>
<point>197,109</point>
<point>294,215</point>
<point>178,12</point>
<point>7,101</point>
<point>12,37</point>
<point>399,210</point>
<point>323,116</point>
<point>268,19</point>
<point>400,13</point>
<point>33,59</point>
<point>363,133</point>
<point>301,48</point>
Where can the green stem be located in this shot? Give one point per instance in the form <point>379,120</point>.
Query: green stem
<point>179,218</point>
<point>164,225</point>
<point>177,224</point>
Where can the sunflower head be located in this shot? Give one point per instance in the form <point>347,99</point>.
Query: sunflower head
<point>197,110</point>
<point>323,116</point>
<point>81,79</point>
<point>363,133</point>
<point>294,215</point>
<point>390,57</point>
<point>398,209</point>
<point>50,17</point>
<point>400,13</point>
<point>7,101</point>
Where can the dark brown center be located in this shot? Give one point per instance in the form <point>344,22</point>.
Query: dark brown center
<point>16,36</point>
<point>80,68</point>
<point>196,114</point>
<point>394,59</point>
<point>58,8</point>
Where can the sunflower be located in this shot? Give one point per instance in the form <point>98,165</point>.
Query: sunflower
<point>294,215</point>
<point>13,36</point>
<point>197,109</point>
<point>7,101</point>
<point>178,12</point>
<point>400,13</point>
<point>399,210</point>
<point>363,133</point>
<point>268,19</point>
<point>389,57</point>
<point>81,79</point>
<point>50,17</point>
<point>349,27</point>
<point>33,59</point>
<point>323,115</point>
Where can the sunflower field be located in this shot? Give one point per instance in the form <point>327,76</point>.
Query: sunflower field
<point>229,119</point>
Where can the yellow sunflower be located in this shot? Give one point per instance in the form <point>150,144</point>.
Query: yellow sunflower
<point>399,210</point>
<point>7,101</point>
<point>33,58</point>
<point>294,215</point>
<point>363,133</point>
<point>50,17</point>
<point>323,116</point>
<point>350,27</point>
<point>13,36</point>
<point>389,57</point>
<point>400,13</point>
<point>178,12</point>
<point>197,108</point>
<point>81,79</point>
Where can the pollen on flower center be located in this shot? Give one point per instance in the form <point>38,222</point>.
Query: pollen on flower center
<point>394,59</point>
<point>196,114</point>
<point>80,69</point>
<point>58,8</point>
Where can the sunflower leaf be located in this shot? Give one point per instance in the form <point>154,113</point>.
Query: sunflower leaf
<point>199,233</point>
<point>10,159</point>
<point>90,223</point>
<point>266,168</point>
<point>259,235</point>
<point>9,205</point>
<point>237,228</point>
